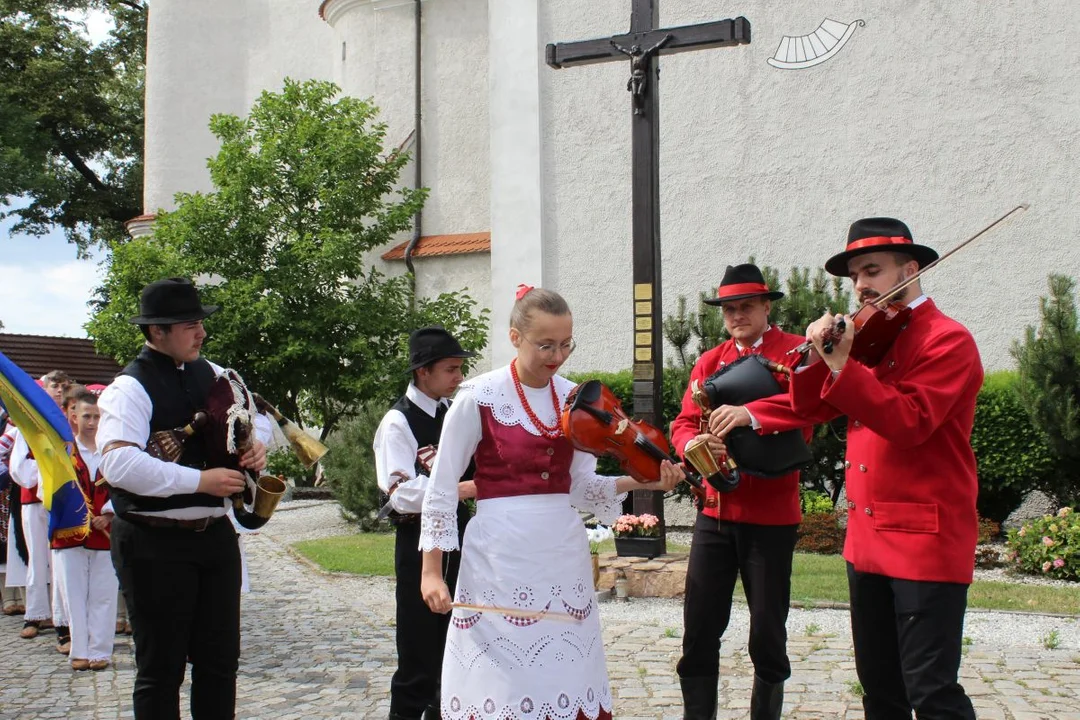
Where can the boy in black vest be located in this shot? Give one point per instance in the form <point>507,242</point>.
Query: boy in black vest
<point>404,451</point>
<point>174,550</point>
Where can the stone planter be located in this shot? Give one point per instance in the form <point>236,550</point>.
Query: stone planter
<point>646,547</point>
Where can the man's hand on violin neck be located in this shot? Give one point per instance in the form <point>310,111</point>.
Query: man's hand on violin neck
<point>726,418</point>
<point>715,444</point>
<point>823,330</point>
<point>221,482</point>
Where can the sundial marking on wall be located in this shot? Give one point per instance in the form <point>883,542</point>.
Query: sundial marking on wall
<point>797,53</point>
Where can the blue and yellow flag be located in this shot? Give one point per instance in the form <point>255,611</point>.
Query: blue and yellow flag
<point>47,432</point>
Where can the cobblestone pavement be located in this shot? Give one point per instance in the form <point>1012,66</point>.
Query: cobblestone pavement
<point>321,646</point>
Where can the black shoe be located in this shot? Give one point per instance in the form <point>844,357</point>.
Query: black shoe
<point>63,634</point>
<point>699,697</point>
<point>433,712</point>
<point>766,700</point>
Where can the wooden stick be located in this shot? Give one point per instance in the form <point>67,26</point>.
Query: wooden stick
<point>514,612</point>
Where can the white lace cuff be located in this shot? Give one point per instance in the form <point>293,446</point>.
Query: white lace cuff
<point>597,495</point>
<point>438,529</point>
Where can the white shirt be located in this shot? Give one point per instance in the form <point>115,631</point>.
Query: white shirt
<point>24,470</point>
<point>395,452</point>
<point>126,410</point>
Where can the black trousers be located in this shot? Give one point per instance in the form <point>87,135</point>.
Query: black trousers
<point>908,637</point>
<point>720,553</point>
<point>182,590</point>
<point>420,633</point>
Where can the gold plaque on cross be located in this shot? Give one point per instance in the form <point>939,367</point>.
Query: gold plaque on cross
<point>643,339</point>
<point>643,354</point>
<point>642,291</point>
<point>643,323</point>
<point>643,308</point>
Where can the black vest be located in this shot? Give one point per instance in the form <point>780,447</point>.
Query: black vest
<point>426,430</point>
<point>176,394</point>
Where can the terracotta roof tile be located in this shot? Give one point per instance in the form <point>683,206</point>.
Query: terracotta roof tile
<point>38,354</point>
<point>434,245</point>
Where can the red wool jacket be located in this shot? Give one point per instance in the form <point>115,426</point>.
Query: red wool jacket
<point>911,481</point>
<point>98,496</point>
<point>757,500</point>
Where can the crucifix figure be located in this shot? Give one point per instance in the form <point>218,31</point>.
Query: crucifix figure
<point>644,44</point>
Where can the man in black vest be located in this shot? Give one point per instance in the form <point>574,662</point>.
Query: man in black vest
<point>404,445</point>
<point>174,550</point>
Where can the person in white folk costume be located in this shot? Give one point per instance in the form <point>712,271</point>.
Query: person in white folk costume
<point>526,548</point>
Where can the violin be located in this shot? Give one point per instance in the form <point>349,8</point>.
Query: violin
<point>878,323</point>
<point>593,420</point>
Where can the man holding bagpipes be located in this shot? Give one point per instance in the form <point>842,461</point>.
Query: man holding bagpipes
<point>748,528</point>
<point>173,548</point>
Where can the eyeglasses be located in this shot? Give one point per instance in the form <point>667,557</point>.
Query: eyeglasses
<point>548,349</point>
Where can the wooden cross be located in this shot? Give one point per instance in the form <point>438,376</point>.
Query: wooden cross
<point>643,44</point>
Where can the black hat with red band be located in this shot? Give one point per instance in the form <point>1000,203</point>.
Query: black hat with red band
<point>878,234</point>
<point>741,282</point>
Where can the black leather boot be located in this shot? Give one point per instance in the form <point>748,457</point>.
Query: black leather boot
<point>433,713</point>
<point>766,700</point>
<point>699,697</point>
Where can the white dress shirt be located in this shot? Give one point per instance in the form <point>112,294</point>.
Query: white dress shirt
<point>126,410</point>
<point>24,469</point>
<point>395,453</point>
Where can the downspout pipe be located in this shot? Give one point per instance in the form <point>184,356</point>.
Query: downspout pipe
<point>419,156</point>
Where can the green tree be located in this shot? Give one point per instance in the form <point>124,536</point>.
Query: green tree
<point>1049,384</point>
<point>71,118</point>
<point>303,191</point>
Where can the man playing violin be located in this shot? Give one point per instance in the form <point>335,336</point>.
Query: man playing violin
<point>910,476</point>
<point>748,532</point>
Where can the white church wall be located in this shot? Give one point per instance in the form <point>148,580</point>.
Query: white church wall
<point>945,116</point>
<point>459,273</point>
<point>206,57</point>
<point>195,67</point>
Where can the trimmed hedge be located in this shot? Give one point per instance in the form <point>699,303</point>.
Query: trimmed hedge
<point>1013,455</point>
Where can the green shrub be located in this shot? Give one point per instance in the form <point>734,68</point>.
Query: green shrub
<point>1049,385</point>
<point>1049,546</point>
<point>1013,455</point>
<point>814,502</point>
<point>283,462</point>
<point>820,533</point>
<point>349,467</point>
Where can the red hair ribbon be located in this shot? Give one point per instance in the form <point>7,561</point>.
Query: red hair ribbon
<point>523,290</point>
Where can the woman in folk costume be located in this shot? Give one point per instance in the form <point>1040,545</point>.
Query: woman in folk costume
<point>526,548</point>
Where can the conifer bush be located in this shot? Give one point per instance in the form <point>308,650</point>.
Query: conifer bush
<point>349,467</point>
<point>1049,384</point>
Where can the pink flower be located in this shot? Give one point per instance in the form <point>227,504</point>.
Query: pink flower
<point>1047,541</point>
<point>1023,531</point>
<point>1063,512</point>
<point>1046,567</point>
<point>1059,562</point>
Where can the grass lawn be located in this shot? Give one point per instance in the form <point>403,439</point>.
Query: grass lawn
<point>814,578</point>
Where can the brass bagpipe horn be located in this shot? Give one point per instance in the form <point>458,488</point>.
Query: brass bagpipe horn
<point>307,449</point>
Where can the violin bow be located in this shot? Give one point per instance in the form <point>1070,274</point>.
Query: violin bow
<point>884,299</point>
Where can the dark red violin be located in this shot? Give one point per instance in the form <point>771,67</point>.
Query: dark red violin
<point>878,323</point>
<point>594,421</point>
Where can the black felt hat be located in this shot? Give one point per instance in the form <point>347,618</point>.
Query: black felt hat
<point>429,344</point>
<point>743,281</point>
<point>171,301</point>
<point>878,234</point>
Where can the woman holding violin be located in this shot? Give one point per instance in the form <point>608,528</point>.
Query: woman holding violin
<point>908,389</point>
<point>525,558</point>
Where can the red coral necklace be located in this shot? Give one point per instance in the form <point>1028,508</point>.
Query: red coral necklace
<point>549,431</point>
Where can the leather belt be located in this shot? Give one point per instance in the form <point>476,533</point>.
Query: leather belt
<point>198,524</point>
